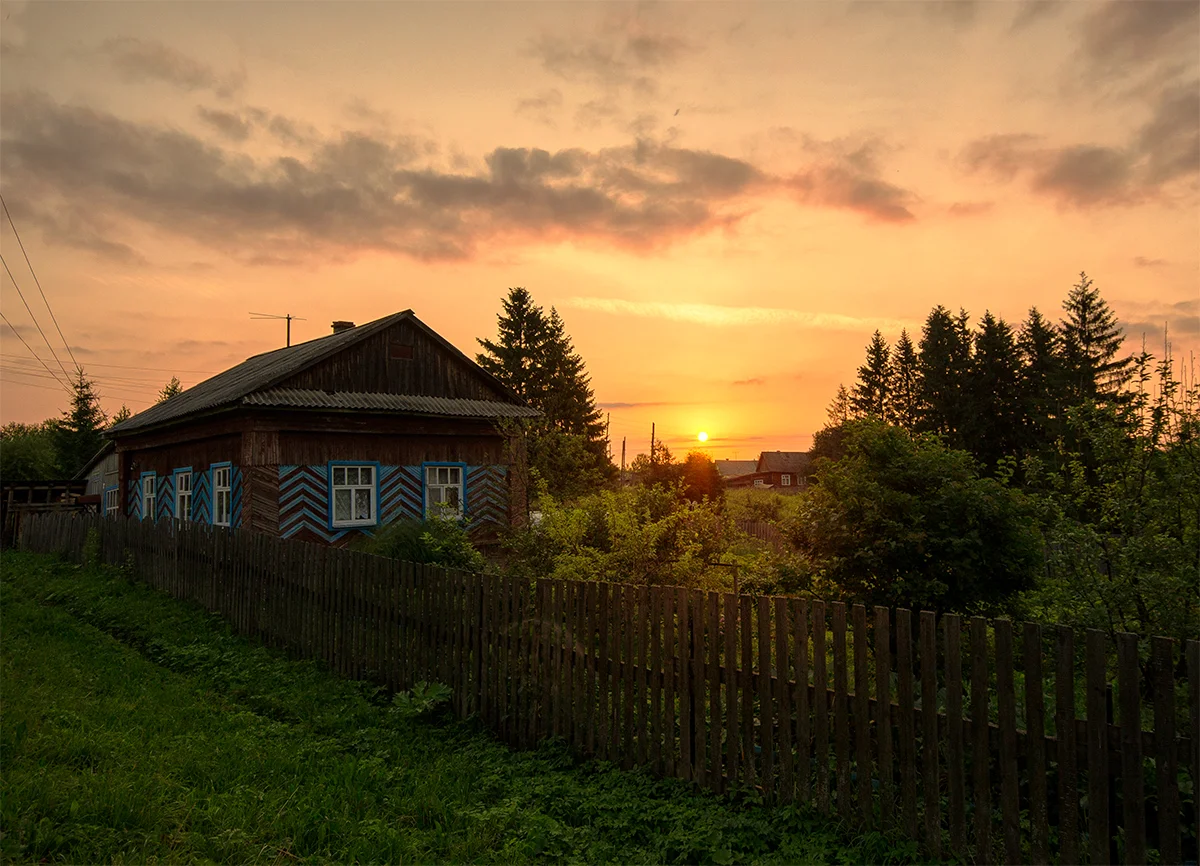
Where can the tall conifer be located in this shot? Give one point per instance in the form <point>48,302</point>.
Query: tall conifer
<point>992,429</point>
<point>904,390</point>
<point>1091,339</point>
<point>77,436</point>
<point>943,370</point>
<point>870,395</point>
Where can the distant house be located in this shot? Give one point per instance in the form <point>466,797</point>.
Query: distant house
<point>731,469</point>
<point>101,477</point>
<point>779,470</point>
<point>330,439</point>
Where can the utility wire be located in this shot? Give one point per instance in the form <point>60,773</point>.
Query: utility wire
<point>35,354</point>
<point>53,318</point>
<point>32,316</point>
<point>148,369</point>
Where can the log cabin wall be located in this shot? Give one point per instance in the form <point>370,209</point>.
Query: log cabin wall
<point>402,359</point>
<point>200,448</point>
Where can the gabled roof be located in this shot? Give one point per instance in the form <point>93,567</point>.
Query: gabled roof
<point>262,372</point>
<point>734,468</point>
<point>783,461</point>
<point>416,404</point>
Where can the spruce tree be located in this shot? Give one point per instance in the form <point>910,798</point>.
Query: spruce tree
<point>993,426</point>
<point>123,414</point>
<point>943,370</point>
<point>905,385</point>
<point>77,436</point>
<point>1091,339</point>
<point>170,389</point>
<point>839,411</point>
<point>870,397</point>
<point>516,358</point>
<point>1041,382</point>
<point>569,401</point>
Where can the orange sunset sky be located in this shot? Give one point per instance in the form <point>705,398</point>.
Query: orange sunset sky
<point>722,200</point>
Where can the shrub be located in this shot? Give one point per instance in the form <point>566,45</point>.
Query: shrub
<point>437,541</point>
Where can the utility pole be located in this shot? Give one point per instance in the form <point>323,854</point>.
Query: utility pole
<point>607,441</point>
<point>622,454</point>
<point>289,317</point>
<point>651,443</point>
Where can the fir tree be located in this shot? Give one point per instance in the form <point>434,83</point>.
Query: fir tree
<point>77,436</point>
<point>170,389</point>
<point>1091,339</point>
<point>904,390</point>
<point>123,414</point>
<point>943,370</point>
<point>516,358</point>
<point>1041,381</point>
<point>994,393</point>
<point>569,401</point>
<point>839,409</point>
<point>870,395</point>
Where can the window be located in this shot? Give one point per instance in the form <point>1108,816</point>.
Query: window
<point>183,494</point>
<point>758,482</point>
<point>443,491</point>
<point>148,496</point>
<point>785,480</point>
<point>222,495</point>
<point>353,495</point>
<point>112,502</point>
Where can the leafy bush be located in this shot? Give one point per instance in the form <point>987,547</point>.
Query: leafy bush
<point>437,541</point>
<point>421,698</point>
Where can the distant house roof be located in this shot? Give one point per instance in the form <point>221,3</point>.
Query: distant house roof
<point>734,468</point>
<point>783,461</point>
<point>262,372</point>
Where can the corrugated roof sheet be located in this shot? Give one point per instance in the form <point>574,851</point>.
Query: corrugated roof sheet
<point>783,461</point>
<point>734,468</point>
<point>457,407</point>
<point>265,370</point>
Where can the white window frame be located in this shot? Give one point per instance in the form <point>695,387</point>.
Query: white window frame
<point>149,495</point>
<point>758,482</point>
<point>112,502</point>
<point>183,498</point>
<point>785,480</point>
<point>353,479</point>
<point>222,494</point>
<point>438,478</point>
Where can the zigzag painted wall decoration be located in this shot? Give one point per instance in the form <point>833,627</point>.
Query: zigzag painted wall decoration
<point>164,497</point>
<point>304,499</point>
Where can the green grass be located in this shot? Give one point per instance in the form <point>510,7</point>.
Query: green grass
<point>136,728</point>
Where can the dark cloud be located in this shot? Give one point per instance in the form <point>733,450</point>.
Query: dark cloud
<point>1164,149</point>
<point>970,208</point>
<point>1143,262</point>
<point>1124,33</point>
<point>542,107</point>
<point>757,380</point>
<point>845,174</point>
<point>1032,11</point>
<point>140,60</point>
<point>641,405</point>
<point>227,123</point>
<point>614,57</point>
<point>596,112</point>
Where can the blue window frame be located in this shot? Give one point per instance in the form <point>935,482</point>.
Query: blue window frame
<point>353,494</point>
<point>147,495</point>
<point>222,493</point>
<point>444,489</point>
<point>182,506</point>
<point>112,501</point>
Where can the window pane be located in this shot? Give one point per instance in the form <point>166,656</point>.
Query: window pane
<point>455,472</point>
<point>431,475</point>
<point>364,475</point>
<point>443,475</point>
<point>435,495</point>
<point>341,505</point>
<point>339,475</point>
<point>452,496</point>
<point>362,504</point>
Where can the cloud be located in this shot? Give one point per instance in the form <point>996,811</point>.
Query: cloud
<point>1032,11</point>
<point>542,107</point>
<point>970,208</point>
<point>622,53</point>
<point>1181,319</point>
<point>228,124</point>
<point>140,60</point>
<point>1164,149</point>
<point>1143,262</point>
<point>620,405</point>
<point>845,173</point>
<point>757,380</point>
<point>1124,34</point>
<point>714,315</point>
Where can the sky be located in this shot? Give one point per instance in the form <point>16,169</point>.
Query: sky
<point>722,200</point>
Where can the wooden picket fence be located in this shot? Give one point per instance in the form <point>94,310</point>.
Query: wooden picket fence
<point>931,724</point>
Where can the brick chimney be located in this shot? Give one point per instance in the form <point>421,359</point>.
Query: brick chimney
<point>338,327</point>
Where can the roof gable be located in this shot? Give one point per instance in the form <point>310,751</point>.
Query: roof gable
<point>288,365</point>
<point>783,461</point>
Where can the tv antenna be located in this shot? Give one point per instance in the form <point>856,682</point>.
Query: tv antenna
<point>289,317</point>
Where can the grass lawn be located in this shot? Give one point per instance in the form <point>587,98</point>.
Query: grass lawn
<point>136,728</point>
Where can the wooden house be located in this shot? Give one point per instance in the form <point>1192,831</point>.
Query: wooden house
<point>784,471</point>
<point>329,439</point>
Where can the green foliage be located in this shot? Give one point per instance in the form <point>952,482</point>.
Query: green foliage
<point>903,390</point>
<point>170,389</point>
<point>123,414</point>
<point>903,520</point>
<point>138,729</point>
<point>871,396</point>
<point>422,698</point>
<point>1091,340</point>
<point>77,437</point>
<point>27,452</point>
<point>436,541</point>
<point>943,367</point>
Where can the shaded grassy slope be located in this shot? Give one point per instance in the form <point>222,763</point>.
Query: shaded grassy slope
<point>136,728</point>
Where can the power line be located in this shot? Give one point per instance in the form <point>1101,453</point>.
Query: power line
<point>35,354</point>
<point>147,369</point>
<point>37,282</point>
<point>21,295</point>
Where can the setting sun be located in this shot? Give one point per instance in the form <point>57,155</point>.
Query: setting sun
<point>702,436</point>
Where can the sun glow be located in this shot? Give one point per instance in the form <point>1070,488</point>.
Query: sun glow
<point>702,436</point>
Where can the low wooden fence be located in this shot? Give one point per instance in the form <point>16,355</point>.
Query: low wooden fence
<point>763,530</point>
<point>941,727</point>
